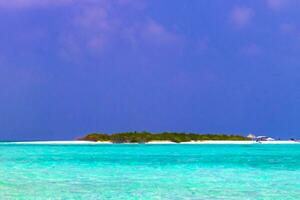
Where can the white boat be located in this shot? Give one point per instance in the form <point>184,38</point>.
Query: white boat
<point>264,138</point>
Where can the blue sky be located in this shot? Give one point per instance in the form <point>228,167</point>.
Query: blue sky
<point>69,67</point>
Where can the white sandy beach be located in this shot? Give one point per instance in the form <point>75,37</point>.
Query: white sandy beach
<point>226,142</point>
<point>60,142</point>
<point>160,142</point>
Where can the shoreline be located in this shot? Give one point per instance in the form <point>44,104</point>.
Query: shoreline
<point>154,142</point>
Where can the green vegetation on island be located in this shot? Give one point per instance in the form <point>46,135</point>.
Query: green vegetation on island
<point>143,137</point>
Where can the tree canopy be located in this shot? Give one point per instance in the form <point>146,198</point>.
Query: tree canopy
<point>143,137</point>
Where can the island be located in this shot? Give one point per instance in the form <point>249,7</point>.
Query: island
<point>147,137</point>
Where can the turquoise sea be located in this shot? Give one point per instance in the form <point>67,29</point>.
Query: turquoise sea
<point>180,171</point>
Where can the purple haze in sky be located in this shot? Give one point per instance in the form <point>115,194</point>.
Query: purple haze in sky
<point>69,67</point>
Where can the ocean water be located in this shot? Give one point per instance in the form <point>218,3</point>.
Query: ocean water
<point>213,172</point>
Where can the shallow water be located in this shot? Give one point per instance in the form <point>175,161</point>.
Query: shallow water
<point>150,172</point>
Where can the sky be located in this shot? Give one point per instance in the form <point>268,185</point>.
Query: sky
<point>71,67</point>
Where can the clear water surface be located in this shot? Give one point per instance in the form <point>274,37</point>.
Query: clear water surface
<point>150,172</point>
